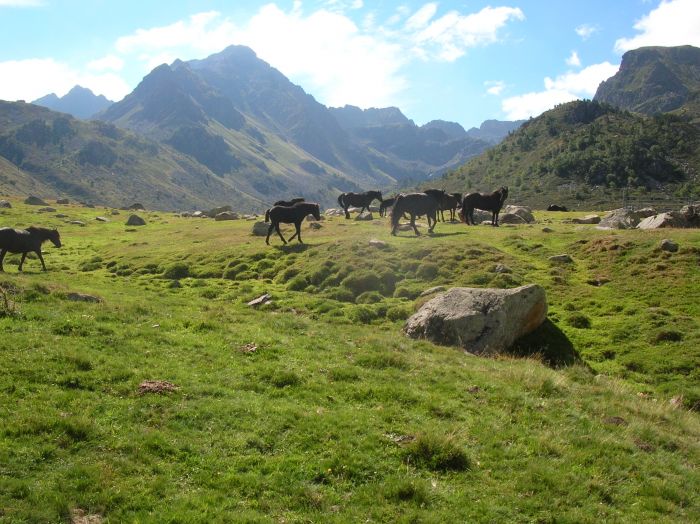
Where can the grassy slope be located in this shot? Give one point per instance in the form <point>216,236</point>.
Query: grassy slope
<point>336,416</point>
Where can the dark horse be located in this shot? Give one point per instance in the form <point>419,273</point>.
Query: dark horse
<point>385,205</point>
<point>448,202</point>
<point>290,215</point>
<point>26,240</point>
<point>415,204</point>
<point>288,203</point>
<point>361,200</point>
<point>485,201</point>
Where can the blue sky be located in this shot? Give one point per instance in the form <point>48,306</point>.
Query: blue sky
<point>463,61</point>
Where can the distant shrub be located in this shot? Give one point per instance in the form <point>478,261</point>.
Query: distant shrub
<point>233,270</point>
<point>176,271</point>
<point>298,283</point>
<point>369,297</point>
<point>409,292</point>
<point>427,270</point>
<point>406,490</point>
<point>667,336</point>
<point>437,453</point>
<point>284,378</point>
<point>362,281</point>
<point>362,314</point>
<point>398,313</point>
<point>288,274</point>
<point>340,294</point>
<point>579,320</point>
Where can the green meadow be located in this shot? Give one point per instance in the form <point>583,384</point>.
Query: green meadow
<point>315,407</point>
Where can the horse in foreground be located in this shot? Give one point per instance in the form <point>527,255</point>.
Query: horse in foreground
<point>26,240</point>
<point>486,202</point>
<point>290,215</point>
<point>415,204</point>
<point>361,200</point>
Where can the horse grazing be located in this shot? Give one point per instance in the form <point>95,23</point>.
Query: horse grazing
<point>290,215</point>
<point>486,202</point>
<point>556,207</point>
<point>288,203</point>
<point>415,204</point>
<point>26,240</point>
<point>361,200</point>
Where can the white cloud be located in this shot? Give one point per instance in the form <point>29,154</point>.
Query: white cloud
<point>672,23</point>
<point>585,31</point>
<point>106,63</point>
<point>35,78</point>
<point>421,17</point>
<point>494,87</point>
<point>564,88</point>
<point>573,60</point>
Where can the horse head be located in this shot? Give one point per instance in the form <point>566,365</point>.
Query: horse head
<point>316,212</point>
<point>55,238</point>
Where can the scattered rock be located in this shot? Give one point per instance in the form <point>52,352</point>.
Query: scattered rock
<point>115,212</point>
<point>378,243</point>
<point>47,209</point>
<point>60,215</point>
<point>262,299</point>
<point>226,215</point>
<point>547,230</point>
<point>80,516</point>
<point>156,386</point>
<point>333,212</point>
<point>563,259</point>
<point>135,207</point>
<point>311,218</point>
<point>77,223</point>
<point>500,268</point>
<point>197,214</point>
<point>34,201</point>
<point>691,213</point>
<point>365,215</point>
<point>597,282</point>
<point>135,220</point>
<point>620,219</point>
<point>215,211</point>
<point>63,201</point>
<point>669,245</point>
<point>615,421</point>
<point>670,219</point>
<point>588,219</point>
<point>5,204</point>
<point>400,439</point>
<point>523,212</point>
<point>260,229</point>
<point>647,212</point>
<point>102,219</point>
<point>249,348</point>
<point>315,225</point>
<point>432,291</point>
<point>83,297</point>
<point>482,321</point>
<point>511,218</point>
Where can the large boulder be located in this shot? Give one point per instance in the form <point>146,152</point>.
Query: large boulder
<point>34,201</point>
<point>216,210</point>
<point>135,220</point>
<point>647,212</point>
<point>63,201</point>
<point>5,204</point>
<point>588,219</point>
<point>260,229</point>
<point>691,213</point>
<point>523,212</point>
<point>481,321</point>
<point>620,219</point>
<point>670,219</point>
<point>366,215</point>
<point>226,215</point>
<point>511,218</point>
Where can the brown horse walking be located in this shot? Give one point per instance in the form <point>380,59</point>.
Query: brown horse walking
<point>290,215</point>
<point>361,200</point>
<point>486,202</point>
<point>26,240</point>
<point>416,204</point>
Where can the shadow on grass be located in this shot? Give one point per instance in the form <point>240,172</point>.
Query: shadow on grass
<point>550,344</point>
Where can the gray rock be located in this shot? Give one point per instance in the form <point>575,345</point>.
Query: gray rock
<point>215,211</point>
<point>500,268</point>
<point>378,243</point>
<point>260,229</point>
<point>115,212</point>
<point>82,297</point>
<point>311,218</point>
<point>432,291</point>
<point>315,225</point>
<point>262,299</point>
<point>5,204</point>
<point>647,212</point>
<point>198,214</point>
<point>135,220</point>
<point>34,201</point>
<point>691,213</point>
<point>523,212</point>
<point>333,212</point>
<point>511,218</point>
<point>365,215</point>
<point>547,230</point>
<point>77,223</point>
<point>60,215</point>
<point>670,219</point>
<point>669,245</point>
<point>561,259</point>
<point>620,219</point>
<point>136,207</point>
<point>47,209</point>
<point>588,219</point>
<point>226,215</point>
<point>63,201</point>
<point>481,321</point>
<point>102,219</point>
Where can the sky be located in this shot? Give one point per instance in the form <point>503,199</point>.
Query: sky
<point>461,61</point>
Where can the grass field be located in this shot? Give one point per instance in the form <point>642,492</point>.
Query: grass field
<point>315,407</point>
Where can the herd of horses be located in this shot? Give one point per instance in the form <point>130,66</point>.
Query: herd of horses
<point>412,205</point>
<point>431,203</point>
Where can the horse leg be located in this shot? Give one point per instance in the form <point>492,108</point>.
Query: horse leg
<point>269,230</point>
<point>277,227</point>
<point>497,213</point>
<point>347,214</point>
<point>298,233</point>
<point>24,255</point>
<point>38,253</point>
<point>2,257</point>
<point>434,217</point>
<point>413,224</point>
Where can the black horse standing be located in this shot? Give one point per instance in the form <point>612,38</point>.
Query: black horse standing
<point>26,240</point>
<point>415,204</point>
<point>290,215</point>
<point>361,200</point>
<point>288,203</point>
<point>487,202</point>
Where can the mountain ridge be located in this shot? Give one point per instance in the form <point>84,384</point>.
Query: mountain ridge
<point>79,102</point>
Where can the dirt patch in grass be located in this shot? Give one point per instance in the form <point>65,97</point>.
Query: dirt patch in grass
<point>156,386</point>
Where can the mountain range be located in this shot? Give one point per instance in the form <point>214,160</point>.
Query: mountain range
<point>79,102</point>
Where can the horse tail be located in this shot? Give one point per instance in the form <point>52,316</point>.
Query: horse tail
<point>267,215</point>
<point>396,211</point>
<point>341,199</point>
